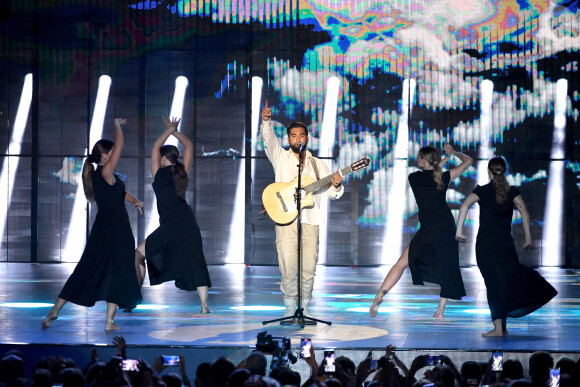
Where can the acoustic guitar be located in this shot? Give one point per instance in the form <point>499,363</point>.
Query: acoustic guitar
<point>279,199</point>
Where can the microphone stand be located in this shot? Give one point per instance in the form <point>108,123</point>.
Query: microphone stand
<point>298,316</point>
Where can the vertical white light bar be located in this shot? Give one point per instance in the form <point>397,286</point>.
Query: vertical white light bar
<point>326,145</point>
<point>14,147</point>
<point>98,120</point>
<point>181,84</point>
<point>257,84</point>
<point>237,242</point>
<point>486,98</point>
<point>397,191</point>
<point>485,122</point>
<point>553,213</point>
<point>76,234</point>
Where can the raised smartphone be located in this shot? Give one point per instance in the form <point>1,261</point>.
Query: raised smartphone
<point>171,360</point>
<point>305,345</point>
<point>554,378</point>
<point>329,366</point>
<point>497,361</point>
<point>433,360</point>
<point>130,364</point>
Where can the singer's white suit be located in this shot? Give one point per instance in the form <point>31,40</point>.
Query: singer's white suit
<point>285,166</point>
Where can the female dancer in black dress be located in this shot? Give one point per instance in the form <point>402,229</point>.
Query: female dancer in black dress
<point>174,251</point>
<point>106,270</point>
<point>513,290</point>
<point>432,254</point>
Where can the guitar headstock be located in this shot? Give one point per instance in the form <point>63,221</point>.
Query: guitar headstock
<point>360,164</point>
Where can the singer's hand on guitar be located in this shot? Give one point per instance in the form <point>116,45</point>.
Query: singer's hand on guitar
<point>266,113</point>
<point>336,180</point>
<point>278,198</point>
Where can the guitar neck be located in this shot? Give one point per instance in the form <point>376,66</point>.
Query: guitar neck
<point>325,181</point>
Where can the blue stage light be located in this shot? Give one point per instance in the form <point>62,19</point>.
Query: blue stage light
<point>258,308</point>
<point>151,307</point>
<point>365,309</point>
<point>25,305</point>
<point>477,311</point>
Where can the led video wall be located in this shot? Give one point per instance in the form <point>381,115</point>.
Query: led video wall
<point>372,79</point>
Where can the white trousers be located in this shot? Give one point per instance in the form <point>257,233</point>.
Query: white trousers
<point>287,247</point>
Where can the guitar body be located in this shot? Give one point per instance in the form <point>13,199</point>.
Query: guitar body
<point>279,200</point>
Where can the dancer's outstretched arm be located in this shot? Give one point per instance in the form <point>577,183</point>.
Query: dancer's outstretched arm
<point>138,204</point>
<point>188,152</point>
<point>170,127</point>
<point>466,161</point>
<point>521,206</point>
<point>109,167</point>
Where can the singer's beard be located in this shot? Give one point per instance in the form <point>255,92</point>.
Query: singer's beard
<point>296,148</point>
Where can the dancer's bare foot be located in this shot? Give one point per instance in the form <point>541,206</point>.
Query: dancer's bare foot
<point>111,326</point>
<point>493,333</point>
<point>374,309</point>
<point>438,313</point>
<point>48,320</point>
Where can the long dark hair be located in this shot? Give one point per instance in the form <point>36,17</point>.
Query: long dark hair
<point>102,146</point>
<point>498,167</point>
<point>432,157</point>
<point>171,153</point>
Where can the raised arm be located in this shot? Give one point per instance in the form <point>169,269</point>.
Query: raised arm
<point>109,167</point>
<point>521,206</point>
<point>271,145</point>
<point>390,351</point>
<point>468,202</point>
<point>138,204</point>
<point>444,160</point>
<point>466,161</point>
<point>170,127</point>
<point>188,152</point>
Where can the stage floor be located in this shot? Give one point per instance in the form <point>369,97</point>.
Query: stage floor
<point>243,297</point>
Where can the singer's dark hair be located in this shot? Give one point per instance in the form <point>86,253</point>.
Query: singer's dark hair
<point>297,125</point>
<point>177,169</point>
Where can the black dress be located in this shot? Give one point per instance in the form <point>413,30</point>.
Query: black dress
<point>433,251</point>
<point>106,270</point>
<point>513,289</point>
<point>174,250</point>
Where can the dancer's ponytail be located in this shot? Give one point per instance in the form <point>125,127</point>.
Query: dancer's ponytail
<point>498,167</point>
<point>180,179</point>
<point>432,157</point>
<point>101,146</point>
<point>88,170</point>
<point>437,176</point>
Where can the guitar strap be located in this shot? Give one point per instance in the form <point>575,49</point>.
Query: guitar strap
<point>315,168</point>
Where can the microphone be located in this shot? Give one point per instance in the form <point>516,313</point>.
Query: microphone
<point>301,147</point>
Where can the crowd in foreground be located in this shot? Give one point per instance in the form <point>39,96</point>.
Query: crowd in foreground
<point>254,371</point>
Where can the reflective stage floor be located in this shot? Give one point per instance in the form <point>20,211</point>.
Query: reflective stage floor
<point>243,297</point>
